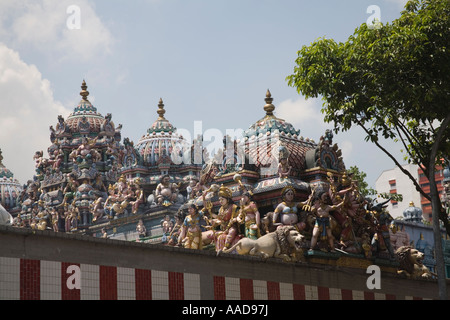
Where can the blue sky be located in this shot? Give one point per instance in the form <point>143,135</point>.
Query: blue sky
<point>210,61</point>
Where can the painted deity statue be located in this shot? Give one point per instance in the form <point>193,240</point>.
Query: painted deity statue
<point>118,199</point>
<point>224,225</point>
<point>191,232</point>
<point>70,189</point>
<point>322,208</point>
<point>250,216</point>
<point>288,211</point>
<point>284,169</point>
<point>138,196</point>
<point>176,230</point>
<point>166,192</point>
<point>140,229</point>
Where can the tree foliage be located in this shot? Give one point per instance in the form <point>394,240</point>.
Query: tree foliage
<point>393,81</point>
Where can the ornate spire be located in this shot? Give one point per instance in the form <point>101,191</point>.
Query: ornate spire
<point>161,110</point>
<point>269,107</point>
<point>84,93</point>
<point>1,158</point>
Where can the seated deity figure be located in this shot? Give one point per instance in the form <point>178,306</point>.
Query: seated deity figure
<point>288,211</point>
<point>224,225</point>
<point>166,192</point>
<point>86,151</point>
<point>140,228</point>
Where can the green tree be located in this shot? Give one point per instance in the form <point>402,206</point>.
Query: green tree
<point>363,186</point>
<point>393,81</point>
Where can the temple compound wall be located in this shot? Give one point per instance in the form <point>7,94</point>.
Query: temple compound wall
<point>45,265</point>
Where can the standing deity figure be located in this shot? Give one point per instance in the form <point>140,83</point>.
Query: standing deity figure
<point>138,194</point>
<point>284,169</point>
<point>191,232</point>
<point>250,216</point>
<point>70,189</point>
<point>381,239</point>
<point>322,227</point>
<point>166,192</point>
<point>71,218</point>
<point>97,209</point>
<point>176,230</point>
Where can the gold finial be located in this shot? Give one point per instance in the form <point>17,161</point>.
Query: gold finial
<point>84,93</point>
<point>269,107</point>
<point>411,204</point>
<point>161,110</point>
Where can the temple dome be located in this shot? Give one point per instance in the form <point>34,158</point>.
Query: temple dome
<point>412,213</point>
<point>271,134</point>
<point>161,145</point>
<point>10,188</point>
<point>85,120</point>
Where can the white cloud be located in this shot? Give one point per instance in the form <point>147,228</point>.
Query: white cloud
<point>43,26</point>
<point>304,115</point>
<point>346,147</point>
<point>27,109</point>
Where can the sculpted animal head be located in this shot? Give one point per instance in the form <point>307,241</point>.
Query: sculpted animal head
<point>411,261</point>
<point>290,239</point>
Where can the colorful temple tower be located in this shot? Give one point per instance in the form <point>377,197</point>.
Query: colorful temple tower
<point>269,180</point>
<point>10,189</point>
<point>83,158</point>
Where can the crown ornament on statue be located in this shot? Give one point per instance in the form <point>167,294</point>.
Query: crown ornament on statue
<point>225,192</point>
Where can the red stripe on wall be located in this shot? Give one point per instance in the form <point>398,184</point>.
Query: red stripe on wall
<point>143,284</point>
<point>299,291</point>
<point>219,288</point>
<point>369,295</point>
<point>390,297</point>
<point>246,286</point>
<point>346,294</point>
<point>30,279</point>
<point>108,283</point>
<point>273,290</point>
<point>69,293</point>
<point>323,293</point>
<point>176,286</point>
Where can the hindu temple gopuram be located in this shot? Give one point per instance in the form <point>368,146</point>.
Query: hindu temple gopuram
<point>271,193</point>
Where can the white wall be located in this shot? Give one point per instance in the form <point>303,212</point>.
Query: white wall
<point>404,186</point>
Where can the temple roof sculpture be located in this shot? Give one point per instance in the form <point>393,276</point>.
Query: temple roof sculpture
<point>161,145</point>
<point>265,137</point>
<point>412,213</point>
<point>10,188</point>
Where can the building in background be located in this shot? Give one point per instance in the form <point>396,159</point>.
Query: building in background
<point>411,231</point>
<point>394,181</point>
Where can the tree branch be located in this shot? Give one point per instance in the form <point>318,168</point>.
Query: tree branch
<point>416,184</point>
